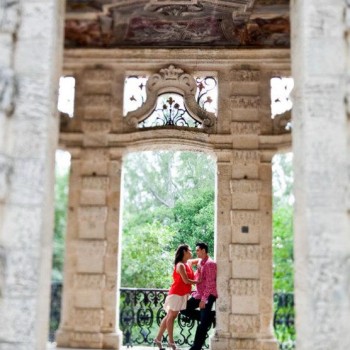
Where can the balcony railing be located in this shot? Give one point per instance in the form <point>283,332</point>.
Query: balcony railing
<point>141,313</point>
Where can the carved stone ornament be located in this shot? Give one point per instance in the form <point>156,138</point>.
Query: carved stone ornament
<point>7,91</point>
<point>171,80</point>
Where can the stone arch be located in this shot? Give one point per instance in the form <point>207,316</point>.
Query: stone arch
<point>172,80</point>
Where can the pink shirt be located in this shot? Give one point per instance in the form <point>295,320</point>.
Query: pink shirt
<point>206,271</point>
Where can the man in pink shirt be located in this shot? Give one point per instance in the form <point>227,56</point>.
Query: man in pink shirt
<point>203,297</point>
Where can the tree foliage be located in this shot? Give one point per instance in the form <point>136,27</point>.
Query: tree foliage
<point>61,200</point>
<point>168,200</point>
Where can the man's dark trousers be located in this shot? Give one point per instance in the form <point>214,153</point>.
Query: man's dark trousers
<point>204,316</point>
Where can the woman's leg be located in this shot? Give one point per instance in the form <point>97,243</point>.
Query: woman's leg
<point>162,328</point>
<point>171,316</point>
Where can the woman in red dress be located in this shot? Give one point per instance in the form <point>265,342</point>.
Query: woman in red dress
<point>183,278</point>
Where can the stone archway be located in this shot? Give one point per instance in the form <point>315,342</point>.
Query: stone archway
<point>244,140</point>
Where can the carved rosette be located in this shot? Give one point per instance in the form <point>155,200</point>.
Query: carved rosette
<point>171,80</point>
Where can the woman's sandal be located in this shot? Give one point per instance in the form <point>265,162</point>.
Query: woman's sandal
<point>158,344</point>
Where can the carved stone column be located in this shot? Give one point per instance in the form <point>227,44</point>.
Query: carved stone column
<point>91,279</point>
<point>91,263</point>
<point>30,63</point>
<point>320,67</point>
<point>244,230</point>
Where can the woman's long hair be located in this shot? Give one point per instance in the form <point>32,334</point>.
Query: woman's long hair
<point>180,251</point>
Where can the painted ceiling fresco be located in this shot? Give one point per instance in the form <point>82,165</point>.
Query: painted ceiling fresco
<point>177,23</point>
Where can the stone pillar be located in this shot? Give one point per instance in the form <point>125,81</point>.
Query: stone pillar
<point>31,33</point>
<point>320,67</point>
<point>244,229</point>
<point>91,281</point>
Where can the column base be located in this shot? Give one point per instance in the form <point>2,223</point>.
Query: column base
<point>225,343</point>
<point>88,340</point>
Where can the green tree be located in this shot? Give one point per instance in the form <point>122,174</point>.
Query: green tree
<point>283,262</point>
<point>146,256</point>
<point>61,199</point>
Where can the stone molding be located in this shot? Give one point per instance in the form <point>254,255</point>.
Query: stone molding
<point>171,80</point>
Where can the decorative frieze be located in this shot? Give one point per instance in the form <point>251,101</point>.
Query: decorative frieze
<point>246,156</point>
<point>245,75</point>
<point>245,102</point>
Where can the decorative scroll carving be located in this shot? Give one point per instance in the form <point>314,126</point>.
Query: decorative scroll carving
<point>7,91</point>
<point>245,75</point>
<point>171,79</point>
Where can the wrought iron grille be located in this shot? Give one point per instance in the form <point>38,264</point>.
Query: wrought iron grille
<point>141,313</point>
<point>170,111</point>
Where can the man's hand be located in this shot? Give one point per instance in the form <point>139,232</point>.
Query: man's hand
<point>202,304</point>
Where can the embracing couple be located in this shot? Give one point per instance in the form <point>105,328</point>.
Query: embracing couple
<point>180,299</point>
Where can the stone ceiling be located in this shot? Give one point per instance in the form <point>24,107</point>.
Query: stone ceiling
<point>177,23</point>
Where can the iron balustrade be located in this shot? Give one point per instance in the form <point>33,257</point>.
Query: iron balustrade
<point>140,313</point>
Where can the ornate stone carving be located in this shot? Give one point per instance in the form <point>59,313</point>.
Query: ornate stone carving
<point>7,91</point>
<point>244,287</point>
<point>245,75</point>
<point>244,251</point>
<point>245,102</point>
<point>171,79</point>
<point>246,156</point>
<point>282,124</point>
<point>244,218</point>
<point>242,128</point>
<point>245,186</point>
<point>176,24</point>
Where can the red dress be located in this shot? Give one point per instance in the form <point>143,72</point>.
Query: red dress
<point>179,291</point>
